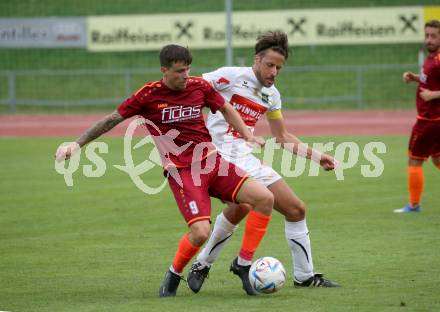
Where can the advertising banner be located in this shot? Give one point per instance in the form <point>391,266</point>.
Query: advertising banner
<point>51,32</point>
<point>304,27</point>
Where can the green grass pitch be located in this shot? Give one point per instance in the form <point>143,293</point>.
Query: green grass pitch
<point>103,245</point>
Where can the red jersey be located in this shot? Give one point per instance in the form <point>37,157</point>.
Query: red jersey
<point>429,79</point>
<point>169,110</point>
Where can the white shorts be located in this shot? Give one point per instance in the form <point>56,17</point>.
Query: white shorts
<point>259,171</point>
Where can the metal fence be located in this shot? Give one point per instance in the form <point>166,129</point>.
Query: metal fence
<point>349,84</point>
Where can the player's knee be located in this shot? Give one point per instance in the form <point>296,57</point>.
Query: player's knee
<point>300,208</point>
<point>244,208</point>
<point>294,211</point>
<point>200,232</point>
<point>266,202</point>
<point>203,236</point>
<point>234,213</point>
<point>436,162</point>
<point>199,237</point>
<point>415,162</point>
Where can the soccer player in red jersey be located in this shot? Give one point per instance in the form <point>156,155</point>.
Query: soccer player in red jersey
<point>425,137</point>
<point>195,171</point>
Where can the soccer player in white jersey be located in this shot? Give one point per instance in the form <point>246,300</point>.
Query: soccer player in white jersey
<point>252,92</point>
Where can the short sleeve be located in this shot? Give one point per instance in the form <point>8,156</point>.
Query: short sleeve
<point>130,107</point>
<point>213,99</point>
<point>221,79</point>
<point>276,101</point>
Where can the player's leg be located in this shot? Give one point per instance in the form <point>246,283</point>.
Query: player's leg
<point>261,199</point>
<point>296,231</point>
<point>419,149</point>
<point>436,161</point>
<point>189,244</point>
<point>416,183</point>
<point>188,247</point>
<point>297,235</point>
<point>225,225</point>
<point>235,187</point>
<point>435,156</point>
<point>221,234</point>
<point>227,221</point>
<point>195,206</point>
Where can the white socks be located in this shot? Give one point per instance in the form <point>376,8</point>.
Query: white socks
<point>297,235</point>
<point>221,233</point>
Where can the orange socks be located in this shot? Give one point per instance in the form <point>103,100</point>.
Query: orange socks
<point>256,226</point>
<point>415,184</point>
<point>184,254</point>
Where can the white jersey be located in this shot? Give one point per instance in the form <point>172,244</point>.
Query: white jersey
<point>240,87</point>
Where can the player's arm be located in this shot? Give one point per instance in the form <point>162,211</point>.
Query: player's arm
<point>428,95</point>
<point>99,128</point>
<point>234,119</point>
<point>410,76</point>
<point>104,125</point>
<point>293,144</point>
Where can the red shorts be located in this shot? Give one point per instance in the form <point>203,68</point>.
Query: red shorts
<point>213,177</point>
<point>424,140</point>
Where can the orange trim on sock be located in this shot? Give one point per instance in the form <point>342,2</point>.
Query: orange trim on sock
<point>184,254</point>
<point>199,219</point>
<point>416,183</point>
<point>256,226</point>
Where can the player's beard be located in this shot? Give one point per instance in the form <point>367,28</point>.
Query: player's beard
<point>180,84</point>
<point>267,82</point>
<point>432,48</point>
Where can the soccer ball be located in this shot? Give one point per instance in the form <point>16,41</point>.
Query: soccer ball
<point>267,275</point>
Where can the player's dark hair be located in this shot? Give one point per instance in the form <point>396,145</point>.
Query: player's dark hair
<point>274,40</point>
<point>174,53</point>
<point>433,24</point>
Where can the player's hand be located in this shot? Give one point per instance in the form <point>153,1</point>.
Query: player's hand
<point>256,140</point>
<point>409,76</point>
<point>426,95</point>
<point>328,162</point>
<point>66,151</point>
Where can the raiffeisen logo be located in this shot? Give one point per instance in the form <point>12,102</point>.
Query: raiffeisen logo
<point>179,113</point>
